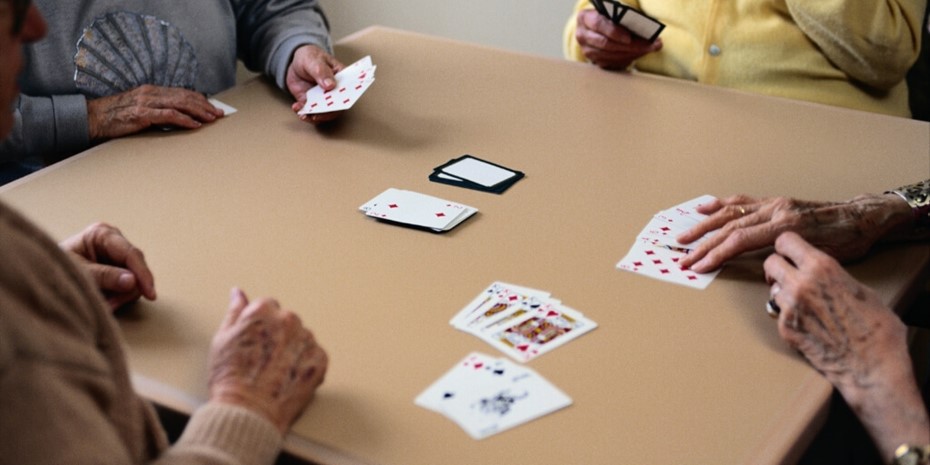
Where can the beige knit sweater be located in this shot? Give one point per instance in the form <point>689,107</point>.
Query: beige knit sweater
<point>65,393</point>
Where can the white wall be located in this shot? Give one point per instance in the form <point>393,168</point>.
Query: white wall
<point>527,26</point>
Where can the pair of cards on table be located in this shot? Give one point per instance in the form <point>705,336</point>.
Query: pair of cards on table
<point>635,21</point>
<point>474,173</point>
<point>351,83</point>
<point>417,210</point>
<point>486,395</point>
<point>523,323</point>
<point>656,252</point>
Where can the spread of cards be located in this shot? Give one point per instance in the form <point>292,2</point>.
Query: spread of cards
<point>635,21</point>
<point>351,83</point>
<point>656,252</point>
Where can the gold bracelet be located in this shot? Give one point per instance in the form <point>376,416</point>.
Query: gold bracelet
<point>918,197</point>
<point>907,454</point>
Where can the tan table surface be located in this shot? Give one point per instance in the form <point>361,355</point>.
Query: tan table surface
<point>672,375</point>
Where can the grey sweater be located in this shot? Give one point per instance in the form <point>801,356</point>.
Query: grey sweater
<point>51,114</point>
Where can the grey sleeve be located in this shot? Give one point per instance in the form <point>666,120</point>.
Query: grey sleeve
<point>46,128</point>
<point>268,32</point>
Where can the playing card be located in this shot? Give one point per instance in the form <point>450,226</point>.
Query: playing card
<point>474,173</point>
<point>640,24</point>
<point>662,263</point>
<point>227,109</point>
<point>537,331</point>
<point>351,83</point>
<point>415,209</point>
<point>494,291</point>
<point>485,396</point>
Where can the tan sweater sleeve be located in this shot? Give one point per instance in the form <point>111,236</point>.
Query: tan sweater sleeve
<point>223,434</point>
<point>873,41</point>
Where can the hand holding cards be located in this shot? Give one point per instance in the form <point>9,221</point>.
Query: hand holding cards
<point>351,83</point>
<point>635,21</point>
<point>486,395</point>
<point>418,210</point>
<point>656,252</point>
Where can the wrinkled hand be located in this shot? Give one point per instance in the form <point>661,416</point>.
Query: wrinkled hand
<point>845,331</point>
<point>118,267</point>
<point>263,359</point>
<point>845,230</point>
<point>607,45</point>
<point>146,106</point>
<point>309,67</point>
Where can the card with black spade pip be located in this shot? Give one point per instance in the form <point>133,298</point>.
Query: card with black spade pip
<point>486,395</point>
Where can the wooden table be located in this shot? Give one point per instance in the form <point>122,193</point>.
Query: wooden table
<point>672,375</point>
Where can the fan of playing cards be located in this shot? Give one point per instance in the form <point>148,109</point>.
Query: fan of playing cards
<point>656,252</point>
<point>636,21</point>
<point>521,322</point>
<point>417,210</point>
<point>351,83</point>
<point>486,395</point>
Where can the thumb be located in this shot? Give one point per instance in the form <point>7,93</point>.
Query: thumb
<point>237,303</point>
<point>112,278</point>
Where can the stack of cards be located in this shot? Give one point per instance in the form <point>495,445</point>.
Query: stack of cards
<point>474,173</point>
<point>417,210</point>
<point>656,252</point>
<point>486,395</point>
<point>523,323</point>
<point>636,21</point>
<point>351,83</point>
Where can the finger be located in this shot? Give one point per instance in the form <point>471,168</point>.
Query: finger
<point>192,104</point>
<point>238,301</point>
<point>111,278</point>
<point>116,249</point>
<point>777,270</point>
<point>320,118</point>
<point>734,244</point>
<point>796,249</point>
<point>161,117</point>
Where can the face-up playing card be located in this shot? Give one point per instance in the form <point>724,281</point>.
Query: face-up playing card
<point>522,322</point>
<point>485,396</point>
<point>227,109</point>
<point>351,83</point>
<point>415,209</point>
<point>656,252</point>
<point>537,331</point>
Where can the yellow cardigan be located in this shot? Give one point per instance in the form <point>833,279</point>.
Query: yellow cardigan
<point>852,54</point>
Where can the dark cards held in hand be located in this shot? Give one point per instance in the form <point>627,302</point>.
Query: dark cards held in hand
<point>636,21</point>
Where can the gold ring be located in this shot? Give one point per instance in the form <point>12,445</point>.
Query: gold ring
<point>772,308</point>
<point>742,211</point>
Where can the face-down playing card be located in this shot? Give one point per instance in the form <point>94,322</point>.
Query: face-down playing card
<point>486,395</point>
<point>634,20</point>
<point>474,173</point>
<point>351,83</point>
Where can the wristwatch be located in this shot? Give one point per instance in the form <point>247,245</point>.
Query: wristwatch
<point>907,454</point>
<point>918,197</point>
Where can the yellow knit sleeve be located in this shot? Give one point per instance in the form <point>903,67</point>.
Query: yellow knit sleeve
<point>872,41</point>
<point>570,47</point>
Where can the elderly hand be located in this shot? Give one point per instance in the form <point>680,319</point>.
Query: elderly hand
<point>845,230</point>
<point>263,359</point>
<point>607,45</point>
<point>847,334</point>
<point>118,267</point>
<point>146,106</point>
<point>312,66</point>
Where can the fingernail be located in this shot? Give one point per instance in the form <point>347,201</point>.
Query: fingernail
<point>699,266</point>
<point>328,82</point>
<point>126,280</point>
